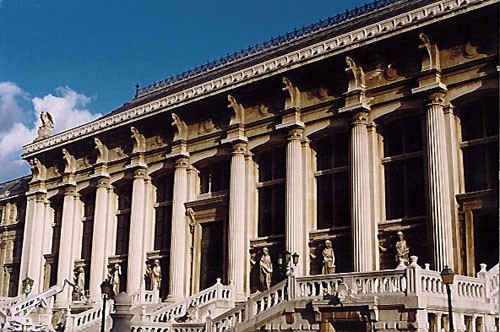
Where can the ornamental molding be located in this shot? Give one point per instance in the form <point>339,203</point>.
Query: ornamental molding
<point>406,21</point>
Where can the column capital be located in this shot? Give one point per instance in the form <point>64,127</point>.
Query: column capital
<point>295,134</point>
<point>182,162</point>
<point>436,98</point>
<point>239,148</point>
<point>140,173</point>
<point>70,190</point>
<point>102,182</point>
<point>360,118</point>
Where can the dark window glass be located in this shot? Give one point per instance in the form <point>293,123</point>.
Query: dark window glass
<point>214,177</point>
<point>479,121</point>
<point>88,223</point>
<point>272,170</point>
<point>404,168</point>
<point>163,216</point>
<point>332,181</point>
<point>123,219</point>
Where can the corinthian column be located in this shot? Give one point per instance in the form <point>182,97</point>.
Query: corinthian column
<point>236,238</point>
<point>137,215</point>
<point>98,257</point>
<point>65,261</point>
<point>178,252</point>
<point>362,236</point>
<point>295,225</point>
<point>439,193</point>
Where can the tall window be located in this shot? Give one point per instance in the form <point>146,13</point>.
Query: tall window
<point>56,241</point>
<point>479,122</point>
<point>123,219</point>
<point>88,225</point>
<point>214,177</point>
<point>332,181</point>
<point>271,187</point>
<point>404,168</point>
<point>163,208</point>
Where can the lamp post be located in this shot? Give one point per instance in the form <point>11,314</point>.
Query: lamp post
<point>447,275</point>
<point>289,258</point>
<point>107,293</point>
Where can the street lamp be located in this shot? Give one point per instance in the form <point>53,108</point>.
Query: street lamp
<point>447,275</point>
<point>107,293</point>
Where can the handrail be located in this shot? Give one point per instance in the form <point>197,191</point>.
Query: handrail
<point>273,42</point>
<point>89,317</point>
<point>216,292</point>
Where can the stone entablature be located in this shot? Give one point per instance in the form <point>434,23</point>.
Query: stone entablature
<point>371,33</point>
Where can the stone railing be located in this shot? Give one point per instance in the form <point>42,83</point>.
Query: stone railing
<point>215,293</point>
<point>254,306</point>
<point>366,283</point>
<point>185,327</point>
<point>89,317</point>
<point>145,297</point>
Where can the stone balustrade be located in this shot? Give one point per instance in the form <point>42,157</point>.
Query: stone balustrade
<point>260,303</point>
<point>211,294</point>
<point>144,297</point>
<point>88,317</point>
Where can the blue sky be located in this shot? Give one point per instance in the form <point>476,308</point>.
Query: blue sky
<point>81,59</point>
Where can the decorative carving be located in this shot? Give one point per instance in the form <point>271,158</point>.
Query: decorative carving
<point>115,278</point>
<point>140,173</point>
<point>190,219</point>
<point>155,275</point>
<point>206,126</point>
<point>360,118</point>
<point>38,170</point>
<point>308,53</point>
<point>266,269</point>
<point>328,258</point>
<point>238,115</point>
<point>45,130</point>
<point>27,285</point>
<point>139,141</point>
<point>436,98</point>
<point>69,162</point>
<point>402,251</point>
<point>239,148</point>
<point>430,53</point>
<point>355,75</point>
<point>470,49</point>
<point>293,93</point>
<point>295,134</point>
<point>102,151</point>
<point>180,128</point>
<point>102,182</point>
<point>182,162</point>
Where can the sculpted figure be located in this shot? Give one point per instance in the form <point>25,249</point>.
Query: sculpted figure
<point>238,109</point>
<point>45,130</point>
<point>402,250</point>
<point>115,281</point>
<point>292,91</point>
<point>139,140</point>
<point>266,269</point>
<point>156,275</point>
<point>328,258</point>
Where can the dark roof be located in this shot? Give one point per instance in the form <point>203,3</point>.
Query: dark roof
<point>350,20</point>
<point>14,187</point>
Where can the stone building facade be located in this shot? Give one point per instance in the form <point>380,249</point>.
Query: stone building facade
<point>376,126</point>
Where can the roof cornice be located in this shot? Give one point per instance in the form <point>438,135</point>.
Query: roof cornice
<point>407,21</point>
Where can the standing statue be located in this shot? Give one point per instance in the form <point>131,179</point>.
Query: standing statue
<point>266,270</point>
<point>156,275</point>
<point>328,258</point>
<point>402,250</point>
<point>117,272</point>
<point>80,282</point>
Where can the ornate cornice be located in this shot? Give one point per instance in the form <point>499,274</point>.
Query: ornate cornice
<point>406,21</point>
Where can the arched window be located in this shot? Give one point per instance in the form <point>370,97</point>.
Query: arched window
<point>332,181</point>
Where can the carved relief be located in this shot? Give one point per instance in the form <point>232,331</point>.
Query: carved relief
<point>355,75</point>
<point>45,130</point>
<point>69,162</point>
<point>238,115</point>
<point>180,128</point>
<point>138,140</point>
<point>38,170</point>
<point>206,126</point>
<point>293,93</point>
<point>430,53</point>
<point>102,151</point>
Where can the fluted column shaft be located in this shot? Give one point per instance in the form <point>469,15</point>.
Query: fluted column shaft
<point>31,265</point>
<point>360,193</point>
<point>65,261</point>
<point>178,252</point>
<point>439,193</point>
<point>236,238</point>
<point>136,253</point>
<point>98,262</point>
<point>295,225</point>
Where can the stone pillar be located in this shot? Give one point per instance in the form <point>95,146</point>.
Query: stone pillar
<point>98,262</point>
<point>122,316</point>
<point>295,225</point>
<point>178,249</point>
<point>438,183</point>
<point>362,236</point>
<point>136,254</point>
<point>236,239</point>
<point>32,251</point>
<point>65,262</point>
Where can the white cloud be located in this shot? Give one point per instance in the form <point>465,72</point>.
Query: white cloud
<point>67,107</point>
